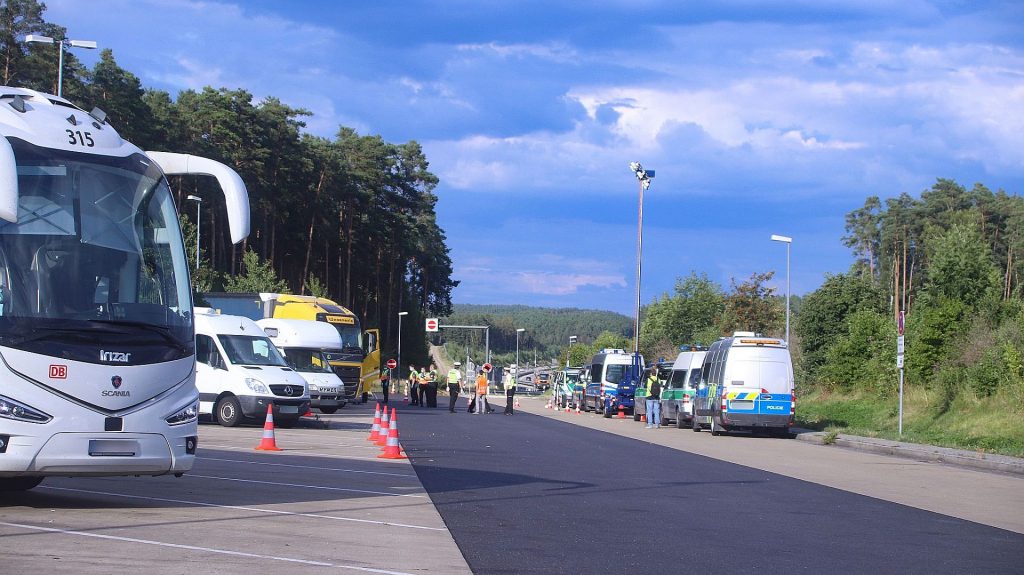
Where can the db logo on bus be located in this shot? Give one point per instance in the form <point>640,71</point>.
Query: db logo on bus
<point>58,372</point>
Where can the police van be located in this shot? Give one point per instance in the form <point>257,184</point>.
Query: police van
<point>746,383</point>
<point>677,397</point>
<point>610,384</point>
<point>240,373</point>
<point>664,370</point>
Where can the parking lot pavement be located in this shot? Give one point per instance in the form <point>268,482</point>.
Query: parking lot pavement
<point>326,500</point>
<point>986,497</point>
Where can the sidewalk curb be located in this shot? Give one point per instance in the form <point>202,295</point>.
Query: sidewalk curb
<point>919,452</point>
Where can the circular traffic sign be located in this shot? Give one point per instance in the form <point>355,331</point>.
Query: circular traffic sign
<point>487,367</point>
<point>392,364</point>
<point>431,324</point>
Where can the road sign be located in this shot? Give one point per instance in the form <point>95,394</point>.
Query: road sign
<point>899,361</point>
<point>487,367</point>
<point>901,323</point>
<point>392,364</point>
<point>432,324</point>
<point>899,345</point>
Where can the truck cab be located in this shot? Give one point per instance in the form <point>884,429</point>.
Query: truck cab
<point>240,373</point>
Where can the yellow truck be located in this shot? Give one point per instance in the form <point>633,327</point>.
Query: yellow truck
<point>357,363</point>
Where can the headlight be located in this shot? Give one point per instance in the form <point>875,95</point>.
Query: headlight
<point>186,414</point>
<point>11,409</point>
<point>257,386</point>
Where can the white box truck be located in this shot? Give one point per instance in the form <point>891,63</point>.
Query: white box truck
<point>239,373</point>
<point>305,345</point>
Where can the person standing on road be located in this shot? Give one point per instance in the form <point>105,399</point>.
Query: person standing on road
<point>653,387</point>
<point>414,377</point>
<point>385,384</point>
<point>432,386</point>
<point>510,392</point>
<point>481,392</point>
<point>454,378</point>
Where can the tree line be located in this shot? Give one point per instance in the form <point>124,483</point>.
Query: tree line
<point>350,217</point>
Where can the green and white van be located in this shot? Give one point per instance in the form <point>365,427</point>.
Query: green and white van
<point>677,396</point>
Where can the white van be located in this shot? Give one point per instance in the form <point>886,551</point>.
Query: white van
<point>239,372</point>
<point>677,397</point>
<point>606,390</point>
<point>746,382</point>
<point>303,343</point>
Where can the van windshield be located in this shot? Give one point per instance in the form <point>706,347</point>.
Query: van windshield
<point>614,373</point>
<point>307,360</point>
<point>251,350</point>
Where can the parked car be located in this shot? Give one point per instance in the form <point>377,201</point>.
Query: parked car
<point>543,381</point>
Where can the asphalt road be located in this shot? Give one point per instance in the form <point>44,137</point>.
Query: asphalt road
<point>530,494</point>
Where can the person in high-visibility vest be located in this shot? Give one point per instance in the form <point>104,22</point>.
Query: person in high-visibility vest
<point>481,393</point>
<point>414,377</point>
<point>454,378</point>
<point>510,392</point>
<point>653,387</point>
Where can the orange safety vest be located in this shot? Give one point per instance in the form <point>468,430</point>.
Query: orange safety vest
<point>481,385</point>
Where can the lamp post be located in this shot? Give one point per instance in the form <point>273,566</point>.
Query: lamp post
<point>572,340</point>
<point>644,178</point>
<point>518,331</point>
<point>64,45</point>
<point>399,358</point>
<point>788,241</point>
<point>199,203</point>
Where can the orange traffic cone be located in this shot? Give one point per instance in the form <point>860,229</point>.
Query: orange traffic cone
<point>268,443</point>
<point>577,409</point>
<point>375,430</point>
<point>622,412</point>
<point>643,418</point>
<point>382,435</point>
<point>392,450</point>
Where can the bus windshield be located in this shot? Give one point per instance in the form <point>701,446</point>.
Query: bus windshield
<point>96,248</point>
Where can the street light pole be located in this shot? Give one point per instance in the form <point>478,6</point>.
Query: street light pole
<point>788,241</point>
<point>63,44</point>
<point>399,358</point>
<point>199,203</point>
<point>644,178</point>
<point>518,331</point>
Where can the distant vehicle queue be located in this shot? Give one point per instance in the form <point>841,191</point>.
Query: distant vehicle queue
<point>739,383</point>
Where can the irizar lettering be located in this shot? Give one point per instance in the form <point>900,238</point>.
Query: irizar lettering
<point>118,356</point>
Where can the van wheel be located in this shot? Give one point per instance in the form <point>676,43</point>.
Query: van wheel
<point>19,483</point>
<point>680,424</point>
<point>229,411</point>
<point>327,410</point>
<point>694,424</point>
<point>715,430</point>
<point>636,416</point>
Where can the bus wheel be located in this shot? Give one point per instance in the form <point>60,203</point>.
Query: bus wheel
<point>19,483</point>
<point>229,411</point>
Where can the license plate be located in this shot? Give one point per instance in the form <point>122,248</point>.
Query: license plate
<point>288,409</point>
<point>328,390</point>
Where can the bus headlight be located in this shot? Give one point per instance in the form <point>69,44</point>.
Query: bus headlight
<point>10,409</point>
<point>257,386</point>
<point>184,415</point>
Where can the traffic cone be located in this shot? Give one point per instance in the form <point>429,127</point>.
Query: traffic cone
<point>567,407</point>
<point>643,418</point>
<point>577,409</point>
<point>622,412</point>
<point>268,443</point>
<point>382,435</point>
<point>392,449</point>
<point>375,429</point>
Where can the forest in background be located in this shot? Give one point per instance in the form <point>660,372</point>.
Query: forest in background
<point>351,217</point>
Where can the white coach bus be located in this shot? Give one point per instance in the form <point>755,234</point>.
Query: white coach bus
<point>96,326</point>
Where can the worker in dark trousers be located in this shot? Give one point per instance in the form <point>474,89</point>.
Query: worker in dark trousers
<point>385,384</point>
<point>454,379</point>
<point>432,386</point>
<point>414,388</point>
<point>510,393</point>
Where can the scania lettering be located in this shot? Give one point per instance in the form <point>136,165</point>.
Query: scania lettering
<point>96,321</point>
<point>746,384</point>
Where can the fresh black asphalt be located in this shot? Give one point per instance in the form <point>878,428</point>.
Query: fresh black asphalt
<point>528,494</point>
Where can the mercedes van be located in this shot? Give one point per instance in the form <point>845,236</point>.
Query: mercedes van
<point>240,373</point>
<point>677,396</point>
<point>610,384</point>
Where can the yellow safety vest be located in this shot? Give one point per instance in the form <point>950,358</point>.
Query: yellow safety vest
<point>454,376</point>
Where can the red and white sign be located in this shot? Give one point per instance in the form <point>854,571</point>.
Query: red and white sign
<point>432,324</point>
<point>392,364</point>
<point>901,323</point>
<point>58,372</point>
<point>487,367</point>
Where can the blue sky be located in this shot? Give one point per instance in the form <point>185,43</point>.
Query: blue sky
<point>759,118</point>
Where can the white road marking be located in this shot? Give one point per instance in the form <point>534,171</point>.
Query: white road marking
<point>275,483</point>
<point>304,453</point>
<point>309,467</point>
<point>242,508</point>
